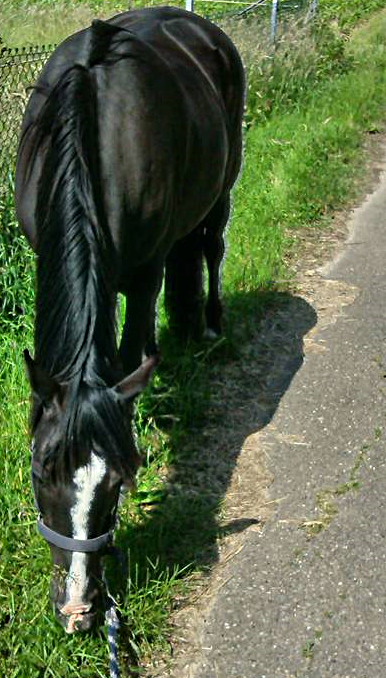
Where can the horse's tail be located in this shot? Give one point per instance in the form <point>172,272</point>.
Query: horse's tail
<point>76,282</point>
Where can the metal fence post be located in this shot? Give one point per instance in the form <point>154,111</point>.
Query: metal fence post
<point>312,10</point>
<point>275,7</point>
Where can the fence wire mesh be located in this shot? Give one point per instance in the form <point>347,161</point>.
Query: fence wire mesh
<point>19,69</point>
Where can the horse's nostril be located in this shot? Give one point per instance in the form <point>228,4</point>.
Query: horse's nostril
<point>78,622</point>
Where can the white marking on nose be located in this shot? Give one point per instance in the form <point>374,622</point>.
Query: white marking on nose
<point>86,480</point>
<point>75,610</point>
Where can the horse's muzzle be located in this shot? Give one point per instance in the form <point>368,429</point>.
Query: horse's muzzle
<point>76,621</point>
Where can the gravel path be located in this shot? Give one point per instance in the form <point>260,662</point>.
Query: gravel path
<point>305,595</point>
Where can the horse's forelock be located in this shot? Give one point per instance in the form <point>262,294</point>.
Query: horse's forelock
<point>93,422</point>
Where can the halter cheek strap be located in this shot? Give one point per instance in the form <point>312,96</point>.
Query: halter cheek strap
<point>70,544</point>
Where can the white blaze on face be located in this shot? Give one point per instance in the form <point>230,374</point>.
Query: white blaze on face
<point>86,480</point>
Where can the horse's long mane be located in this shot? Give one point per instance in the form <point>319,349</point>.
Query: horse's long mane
<point>75,337</point>
<point>75,330</point>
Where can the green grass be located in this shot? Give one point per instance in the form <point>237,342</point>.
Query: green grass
<point>303,156</point>
<point>50,21</point>
<point>16,267</point>
<point>306,161</point>
<point>347,14</point>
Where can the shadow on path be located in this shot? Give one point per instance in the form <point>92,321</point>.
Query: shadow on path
<point>235,391</point>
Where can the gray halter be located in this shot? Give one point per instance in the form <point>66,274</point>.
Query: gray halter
<point>70,544</point>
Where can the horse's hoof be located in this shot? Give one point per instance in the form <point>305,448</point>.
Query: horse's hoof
<point>211,334</point>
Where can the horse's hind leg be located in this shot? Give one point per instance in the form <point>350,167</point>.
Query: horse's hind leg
<point>183,277</point>
<point>213,246</point>
<point>183,286</point>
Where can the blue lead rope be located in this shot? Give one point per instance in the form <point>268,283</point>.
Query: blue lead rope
<point>111,614</point>
<point>112,621</point>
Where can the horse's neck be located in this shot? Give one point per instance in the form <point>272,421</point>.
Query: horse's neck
<point>75,330</point>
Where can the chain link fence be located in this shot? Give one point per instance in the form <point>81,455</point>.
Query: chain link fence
<point>19,69</point>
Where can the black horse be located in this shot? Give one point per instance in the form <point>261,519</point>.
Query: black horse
<point>130,144</point>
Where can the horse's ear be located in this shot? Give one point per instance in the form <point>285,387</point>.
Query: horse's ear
<point>136,381</point>
<point>43,386</point>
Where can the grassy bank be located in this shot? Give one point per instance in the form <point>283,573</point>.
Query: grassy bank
<point>49,22</point>
<point>302,160</point>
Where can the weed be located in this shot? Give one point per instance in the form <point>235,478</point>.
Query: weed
<point>309,647</point>
<point>326,505</point>
<point>279,79</point>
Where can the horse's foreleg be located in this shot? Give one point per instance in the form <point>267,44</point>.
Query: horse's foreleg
<point>183,286</point>
<point>138,335</point>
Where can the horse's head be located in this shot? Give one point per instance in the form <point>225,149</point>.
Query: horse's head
<point>83,452</point>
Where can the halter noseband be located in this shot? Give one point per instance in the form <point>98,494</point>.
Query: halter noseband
<point>70,544</point>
